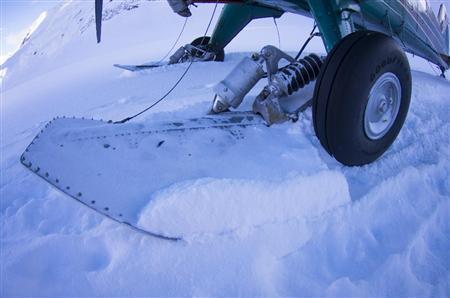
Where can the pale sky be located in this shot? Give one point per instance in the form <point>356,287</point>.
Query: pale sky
<point>16,16</point>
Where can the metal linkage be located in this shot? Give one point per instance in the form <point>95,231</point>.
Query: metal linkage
<point>192,53</point>
<point>286,81</point>
<point>230,92</point>
<point>282,82</point>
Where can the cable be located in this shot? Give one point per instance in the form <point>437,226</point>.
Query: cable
<point>311,36</point>
<point>177,82</point>
<point>210,20</point>
<point>278,33</point>
<point>175,43</point>
<point>159,100</point>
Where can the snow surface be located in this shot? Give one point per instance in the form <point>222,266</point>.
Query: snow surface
<point>321,230</point>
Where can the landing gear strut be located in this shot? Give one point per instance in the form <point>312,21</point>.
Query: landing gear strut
<point>282,82</point>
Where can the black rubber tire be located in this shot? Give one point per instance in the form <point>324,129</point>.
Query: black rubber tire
<point>342,92</point>
<point>204,41</point>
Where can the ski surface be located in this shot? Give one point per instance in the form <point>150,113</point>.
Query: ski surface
<point>116,168</point>
<point>138,67</point>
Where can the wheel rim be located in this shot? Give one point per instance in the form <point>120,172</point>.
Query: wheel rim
<point>383,105</point>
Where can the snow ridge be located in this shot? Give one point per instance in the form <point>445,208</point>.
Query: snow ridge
<point>319,229</point>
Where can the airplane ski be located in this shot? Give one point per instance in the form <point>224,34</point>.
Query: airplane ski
<point>138,67</point>
<point>116,168</point>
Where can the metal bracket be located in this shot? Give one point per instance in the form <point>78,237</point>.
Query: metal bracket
<point>231,91</point>
<point>272,57</point>
<point>190,52</point>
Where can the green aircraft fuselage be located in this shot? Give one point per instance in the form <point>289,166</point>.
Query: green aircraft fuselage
<point>412,23</point>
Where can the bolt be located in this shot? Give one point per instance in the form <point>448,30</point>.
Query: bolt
<point>382,108</point>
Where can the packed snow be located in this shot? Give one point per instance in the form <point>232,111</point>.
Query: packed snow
<point>304,226</point>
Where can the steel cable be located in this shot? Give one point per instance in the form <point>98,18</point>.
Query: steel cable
<point>176,83</point>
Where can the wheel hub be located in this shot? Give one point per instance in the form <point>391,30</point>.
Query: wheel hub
<point>383,106</point>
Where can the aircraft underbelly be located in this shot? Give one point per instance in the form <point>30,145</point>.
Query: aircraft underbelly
<point>288,6</point>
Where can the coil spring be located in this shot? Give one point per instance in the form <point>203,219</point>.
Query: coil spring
<point>300,73</point>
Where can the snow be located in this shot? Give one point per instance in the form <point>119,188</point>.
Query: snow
<point>319,229</point>
<point>200,209</point>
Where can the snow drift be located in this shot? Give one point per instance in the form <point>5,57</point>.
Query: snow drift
<point>320,229</point>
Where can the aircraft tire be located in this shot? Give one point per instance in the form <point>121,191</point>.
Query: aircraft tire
<point>361,97</point>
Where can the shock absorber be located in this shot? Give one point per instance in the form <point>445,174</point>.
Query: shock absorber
<point>286,81</point>
<point>282,82</point>
<point>297,75</point>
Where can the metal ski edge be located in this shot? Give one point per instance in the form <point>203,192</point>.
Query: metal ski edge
<point>37,171</point>
<point>221,121</point>
<point>75,195</point>
<point>136,229</point>
<point>137,67</point>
